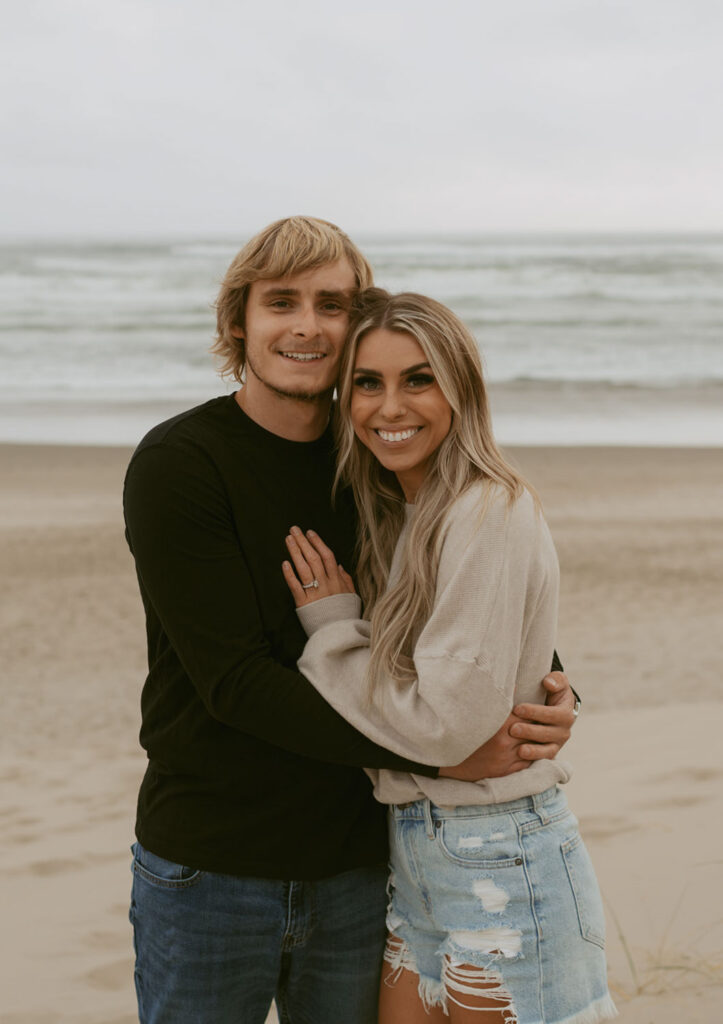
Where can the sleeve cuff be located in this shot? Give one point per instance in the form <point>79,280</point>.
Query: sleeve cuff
<point>329,609</point>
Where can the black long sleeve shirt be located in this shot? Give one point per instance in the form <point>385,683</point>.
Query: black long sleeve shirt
<point>250,772</point>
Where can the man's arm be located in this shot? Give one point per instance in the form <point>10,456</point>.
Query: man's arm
<point>193,574</point>
<point>530,733</point>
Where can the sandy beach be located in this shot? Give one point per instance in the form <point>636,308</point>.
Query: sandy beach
<point>640,537</point>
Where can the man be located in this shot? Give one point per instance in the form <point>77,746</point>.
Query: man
<point>260,866</point>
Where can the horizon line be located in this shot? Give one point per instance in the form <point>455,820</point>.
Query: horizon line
<point>382,234</point>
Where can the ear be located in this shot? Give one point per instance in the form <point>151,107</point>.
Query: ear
<point>237,332</point>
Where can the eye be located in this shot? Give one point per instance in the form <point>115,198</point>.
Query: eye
<point>420,380</point>
<point>280,304</point>
<point>332,306</point>
<point>367,384</point>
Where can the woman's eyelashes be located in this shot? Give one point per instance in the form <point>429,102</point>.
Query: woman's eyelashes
<point>414,382</point>
<point>365,383</point>
<point>420,380</point>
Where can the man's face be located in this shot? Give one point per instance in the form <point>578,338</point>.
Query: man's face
<point>295,329</point>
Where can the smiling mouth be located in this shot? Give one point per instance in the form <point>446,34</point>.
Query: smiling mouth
<point>304,357</point>
<point>394,436</point>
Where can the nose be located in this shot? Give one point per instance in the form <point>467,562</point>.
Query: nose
<point>306,322</point>
<point>392,407</point>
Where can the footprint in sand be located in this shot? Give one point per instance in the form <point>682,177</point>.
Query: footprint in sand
<point>671,802</point>
<point>30,1017</point>
<point>111,977</point>
<point>8,812</point>
<point>115,941</point>
<point>44,868</point>
<point>687,775</point>
<point>606,827</point>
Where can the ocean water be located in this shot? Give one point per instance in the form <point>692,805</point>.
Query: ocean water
<point>586,339</point>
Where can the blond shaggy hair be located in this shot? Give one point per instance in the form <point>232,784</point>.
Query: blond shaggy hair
<point>286,247</point>
<point>468,454</point>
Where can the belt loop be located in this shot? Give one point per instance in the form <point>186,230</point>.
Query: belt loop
<point>539,806</point>
<point>429,823</point>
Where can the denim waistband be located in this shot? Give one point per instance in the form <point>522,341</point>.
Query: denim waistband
<point>425,809</point>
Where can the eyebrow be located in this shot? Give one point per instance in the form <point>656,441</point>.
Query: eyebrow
<point>403,373</point>
<point>325,293</point>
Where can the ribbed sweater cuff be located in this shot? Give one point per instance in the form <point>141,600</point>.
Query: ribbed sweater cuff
<point>329,609</point>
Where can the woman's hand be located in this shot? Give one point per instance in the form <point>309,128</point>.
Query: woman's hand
<point>315,573</point>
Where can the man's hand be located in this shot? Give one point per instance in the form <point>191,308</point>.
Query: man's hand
<point>531,732</point>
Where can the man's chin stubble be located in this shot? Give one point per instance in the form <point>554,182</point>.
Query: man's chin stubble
<point>295,396</point>
<point>302,396</point>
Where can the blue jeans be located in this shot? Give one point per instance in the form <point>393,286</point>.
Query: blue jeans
<point>216,949</point>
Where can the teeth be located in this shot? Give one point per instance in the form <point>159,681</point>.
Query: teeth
<point>399,435</point>
<point>303,357</point>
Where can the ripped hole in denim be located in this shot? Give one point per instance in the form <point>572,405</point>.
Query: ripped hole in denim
<point>480,989</point>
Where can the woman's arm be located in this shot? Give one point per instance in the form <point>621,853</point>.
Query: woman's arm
<point>495,604</point>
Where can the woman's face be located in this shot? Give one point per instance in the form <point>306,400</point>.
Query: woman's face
<point>397,408</point>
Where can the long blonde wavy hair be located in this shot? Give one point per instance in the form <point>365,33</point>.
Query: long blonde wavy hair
<point>468,454</point>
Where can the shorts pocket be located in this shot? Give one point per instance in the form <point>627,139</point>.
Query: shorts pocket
<point>585,890</point>
<point>471,842</point>
<point>165,874</point>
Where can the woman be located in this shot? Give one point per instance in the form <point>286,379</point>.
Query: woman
<point>494,905</point>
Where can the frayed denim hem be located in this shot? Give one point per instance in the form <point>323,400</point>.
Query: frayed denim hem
<point>463,979</point>
<point>601,1009</point>
<point>457,979</point>
<point>400,958</point>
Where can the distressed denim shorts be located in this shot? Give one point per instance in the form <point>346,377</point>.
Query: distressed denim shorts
<point>499,901</point>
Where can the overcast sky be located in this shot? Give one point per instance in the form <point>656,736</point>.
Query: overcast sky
<point>214,117</point>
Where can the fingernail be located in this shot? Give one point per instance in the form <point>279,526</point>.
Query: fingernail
<point>295,529</point>
<point>310,533</point>
<point>515,730</point>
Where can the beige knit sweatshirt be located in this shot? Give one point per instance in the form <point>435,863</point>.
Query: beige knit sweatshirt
<point>486,646</point>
